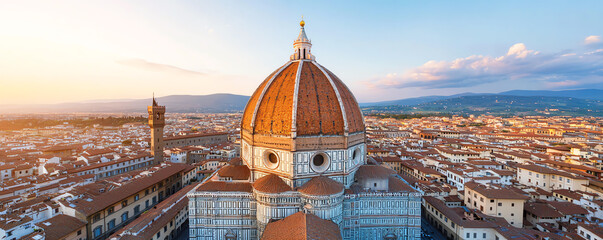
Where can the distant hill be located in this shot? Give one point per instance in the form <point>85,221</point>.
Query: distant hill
<point>501,105</point>
<point>213,103</point>
<point>416,100</point>
<point>595,94</point>
<point>570,102</point>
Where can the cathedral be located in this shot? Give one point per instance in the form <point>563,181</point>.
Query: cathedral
<point>303,172</point>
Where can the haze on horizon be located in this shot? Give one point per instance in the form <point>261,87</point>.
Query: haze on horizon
<point>63,51</point>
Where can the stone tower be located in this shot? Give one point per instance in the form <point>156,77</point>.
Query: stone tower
<point>156,122</point>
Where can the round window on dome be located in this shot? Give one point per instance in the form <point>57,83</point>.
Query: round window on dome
<point>356,155</point>
<point>320,162</point>
<point>271,160</point>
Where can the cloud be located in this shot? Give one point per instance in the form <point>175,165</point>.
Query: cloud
<point>519,64</point>
<point>158,67</point>
<point>590,40</point>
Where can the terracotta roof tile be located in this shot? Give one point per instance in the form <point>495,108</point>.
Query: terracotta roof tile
<point>109,198</point>
<point>352,111</point>
<point>398,185</point>
<point>541,210</point>
<point>300,226</point>
<point>274,115</point>
<point>320,186</point>
<point>271,184</point>
<point>250,108</point>
<point>568,208</point>
<point>319,110</point>
<point>236,172</point>
<point>495,193</point>
<point>373,171</point>
<point>60,226</point>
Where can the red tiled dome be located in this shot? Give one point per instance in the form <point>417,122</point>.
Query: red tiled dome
<point>271,184</point>
<point>301,226</point>
<point>321,186</point>
<point>304,98</point>
<point>236,172</point>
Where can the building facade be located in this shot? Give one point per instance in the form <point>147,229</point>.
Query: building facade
<point>549,179</point>
<point>112,168</point>
<point>303,150</point>
<point>107,211</point>
<point>498,202</point>
<point>195,139</point>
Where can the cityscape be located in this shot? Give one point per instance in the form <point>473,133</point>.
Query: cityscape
<point>480,147</point>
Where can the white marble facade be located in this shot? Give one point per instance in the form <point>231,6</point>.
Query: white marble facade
<point>369,214</point>
<point>316,168</point>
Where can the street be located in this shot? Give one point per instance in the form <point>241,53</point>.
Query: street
<point>430,230</point>
<point>183,235</point>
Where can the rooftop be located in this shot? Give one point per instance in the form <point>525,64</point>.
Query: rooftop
<point>300,226</point>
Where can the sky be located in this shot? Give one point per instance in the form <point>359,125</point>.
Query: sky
<point>66,51</point>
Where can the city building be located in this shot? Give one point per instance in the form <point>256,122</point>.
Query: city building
<point>107,209</point>
<point>549,178</point>
<point>195,139</point>
<point>496,201</point>
<point>61,227</point>
<point>458,223</point>
<point>164,221</point>
<point>118,166</point>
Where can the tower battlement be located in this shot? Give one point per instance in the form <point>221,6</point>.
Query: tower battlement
<point>156,116</point>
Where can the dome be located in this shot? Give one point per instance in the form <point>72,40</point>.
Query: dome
<point>301,99</point>
<point>235,172</point>
<point>321,186</point>
<point>271,184</point>
<point>305,98</point>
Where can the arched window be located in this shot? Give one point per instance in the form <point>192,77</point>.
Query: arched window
<point>97,231</point>
<point>124,217</point>
<point>111,224</point>
<point>304,53</point>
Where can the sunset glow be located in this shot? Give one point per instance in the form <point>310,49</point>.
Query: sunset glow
<point>64,51</point>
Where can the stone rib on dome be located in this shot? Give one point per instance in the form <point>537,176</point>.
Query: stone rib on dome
<point>253,100</point>
<point>318,110</point>
<point>353,114</point>
<point>271,184</point>
<point>321,186</point>
<point>273,116</point>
